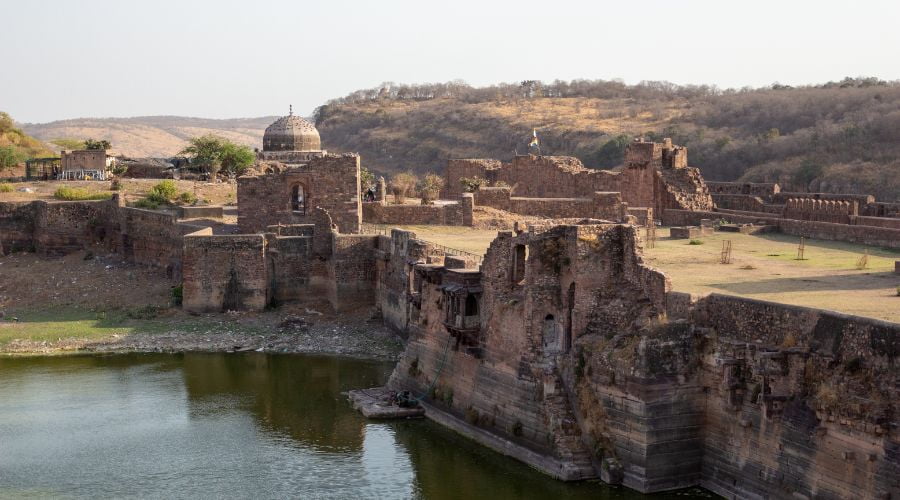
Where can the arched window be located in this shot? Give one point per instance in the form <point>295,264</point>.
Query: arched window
<point>298,199</point>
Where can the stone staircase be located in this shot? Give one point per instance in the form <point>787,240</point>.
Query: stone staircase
<point>565,428</point>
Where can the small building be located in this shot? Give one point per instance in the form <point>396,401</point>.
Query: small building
<point>84,164</point>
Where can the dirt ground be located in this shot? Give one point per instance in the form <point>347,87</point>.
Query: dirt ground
<point>102,304</point>
<point>221,193</point>
<point>763,267</point>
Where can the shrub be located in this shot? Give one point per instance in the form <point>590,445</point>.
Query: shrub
<point>431,188</point>
<point>177,294</point>
<point>403,185</point>
<point>187,198</point>
<point>146,203</point>
<point>471,184</point>
<point>695,242</point>
<point>5,187</point>
<point>79,194</point>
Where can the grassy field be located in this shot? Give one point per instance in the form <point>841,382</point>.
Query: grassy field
<point>763,267</point>
<point>134,189</point>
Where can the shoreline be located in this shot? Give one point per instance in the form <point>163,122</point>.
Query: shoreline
<point>273,332</point>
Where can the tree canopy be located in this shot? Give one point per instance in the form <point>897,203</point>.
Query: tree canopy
<point>213,153</point>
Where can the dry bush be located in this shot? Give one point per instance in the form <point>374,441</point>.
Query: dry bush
<point>403,185</point>
<point>431,188</point>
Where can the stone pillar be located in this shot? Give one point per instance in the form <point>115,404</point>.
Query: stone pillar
<point>467,202</point>
<point>381,190</point>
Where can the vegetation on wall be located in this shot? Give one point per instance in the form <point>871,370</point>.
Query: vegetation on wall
<point>840,136</point>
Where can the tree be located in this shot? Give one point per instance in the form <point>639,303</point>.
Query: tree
<point>101,144</point>
<point>366,178</point>
<point>9,157</point>
<point>235,158</point>
<point>205,152</point>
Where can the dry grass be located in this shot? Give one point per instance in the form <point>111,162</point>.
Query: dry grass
<point>764,267</point>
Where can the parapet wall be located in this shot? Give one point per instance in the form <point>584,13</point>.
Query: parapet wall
<point>600,205</point>
<point>888,237</point>
<point>452,214</point>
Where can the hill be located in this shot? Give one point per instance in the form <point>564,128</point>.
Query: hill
<point>151,136</point>
<point>836,137</point>
<point>19,141</point>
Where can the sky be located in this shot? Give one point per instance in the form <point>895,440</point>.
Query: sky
<point>64,59</point>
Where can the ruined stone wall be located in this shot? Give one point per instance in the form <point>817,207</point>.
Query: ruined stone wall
<point>351,271</point>
<point>581,362</point>
<point>880,209</point>
<point>17,221</point>
<point>290,267</point>
<point>65,227</point>
<point>600,205</point>
<point>865,235</point>
<point>454,214</point>
<point>799,402</point>
<point>759,189</point>
<point>330,182</point>
<point>224,272</point>
<point>468,168</point>
<point>889,222</point>
<point>740,202</point>
<point>834,211</point>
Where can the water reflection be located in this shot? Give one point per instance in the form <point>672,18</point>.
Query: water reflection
<point>233,426</point>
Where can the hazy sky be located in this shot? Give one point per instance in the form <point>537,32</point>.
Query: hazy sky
<point>221,59</point>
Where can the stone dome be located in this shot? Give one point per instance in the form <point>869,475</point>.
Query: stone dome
<point>291,133</point>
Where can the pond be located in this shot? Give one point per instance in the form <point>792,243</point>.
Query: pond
<point>236,426</point>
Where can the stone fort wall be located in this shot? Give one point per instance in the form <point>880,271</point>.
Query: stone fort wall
<point>589,367</point>
<point>655,175</point>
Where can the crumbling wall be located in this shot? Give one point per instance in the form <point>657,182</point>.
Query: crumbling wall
<point>330,182</point>
<point>65,227</point>
<point>453,214</point>
<point>759,189</point>
<point>351,271</point>
<point>17,225</point>
<point>224,272</point>
<point>466,168</point>
<point>865,235</point>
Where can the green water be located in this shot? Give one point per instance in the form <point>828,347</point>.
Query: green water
<point>235,426</point>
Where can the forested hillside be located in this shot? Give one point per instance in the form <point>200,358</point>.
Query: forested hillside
<point>840,136</point>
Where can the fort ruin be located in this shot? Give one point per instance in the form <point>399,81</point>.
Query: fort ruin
<point>561,348</point>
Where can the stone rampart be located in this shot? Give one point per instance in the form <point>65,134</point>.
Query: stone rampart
<point>224,272</point>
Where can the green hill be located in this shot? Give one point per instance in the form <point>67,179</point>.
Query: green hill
<point>24,145</point>
<point>836,137</point>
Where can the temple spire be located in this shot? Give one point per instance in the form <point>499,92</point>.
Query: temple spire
<point>291,109</point>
